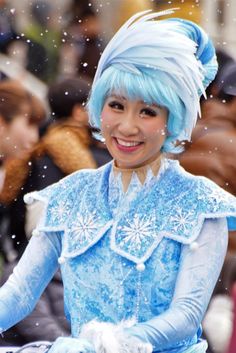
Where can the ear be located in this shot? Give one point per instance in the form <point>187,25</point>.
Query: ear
<point>79,114</point>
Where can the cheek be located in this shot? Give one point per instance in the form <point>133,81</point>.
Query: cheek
<point>156,130</point>
<point>18,128</point>
<point>106,121</point>
<point>27,134</point>
<point>23,133</point>
<point>32,133</point>
<point>14,133</point>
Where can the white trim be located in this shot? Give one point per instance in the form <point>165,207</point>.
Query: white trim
<point>75,253</point>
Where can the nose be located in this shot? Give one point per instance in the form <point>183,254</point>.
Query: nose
<point>128,125</point>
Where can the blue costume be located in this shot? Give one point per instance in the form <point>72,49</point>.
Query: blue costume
<point>147,260</point>
<point>139,265</point>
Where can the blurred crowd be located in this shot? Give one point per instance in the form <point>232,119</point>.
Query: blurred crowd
<point>45,79</point>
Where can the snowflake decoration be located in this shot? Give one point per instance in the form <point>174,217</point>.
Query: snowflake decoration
<point>216,196</point>
<point>182,220</point>
<point>85,227</point>
<point>138,231</point>
<point>59,212</point>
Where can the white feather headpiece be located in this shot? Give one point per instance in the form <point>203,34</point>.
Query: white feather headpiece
<point>163,46</point>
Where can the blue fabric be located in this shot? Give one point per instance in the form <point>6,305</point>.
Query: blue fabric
<point>197,272</point>
<point>174,206</point>
<point>231,223</point>
<point>71,345</point>
<point>127,255</point>
<point>33,272</point>
<point>205,50</point>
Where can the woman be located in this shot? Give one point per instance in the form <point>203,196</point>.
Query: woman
<point>21,114</point>
<point>63,149</point>
<point>140,241</point>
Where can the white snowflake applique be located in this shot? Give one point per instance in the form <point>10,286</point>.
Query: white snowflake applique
<point>85,227</point>
<point>182,220</point>
<point>214,195</point>
<point>59,212</point>
<point>137,231</point>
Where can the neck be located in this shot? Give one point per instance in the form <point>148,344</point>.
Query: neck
<point>141,172</point>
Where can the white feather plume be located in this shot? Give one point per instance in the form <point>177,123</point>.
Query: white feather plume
<point>175,57</point>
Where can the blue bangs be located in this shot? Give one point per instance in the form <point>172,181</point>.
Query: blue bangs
<point>149,85</point>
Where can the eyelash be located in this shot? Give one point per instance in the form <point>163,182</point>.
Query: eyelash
<point>149,112</point>
<point>116,105</point>
<point>145,111</point>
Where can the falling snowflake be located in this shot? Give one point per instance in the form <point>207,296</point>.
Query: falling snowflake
<point>138,231</point>
<point>182,220</point>
<point>85,227</point>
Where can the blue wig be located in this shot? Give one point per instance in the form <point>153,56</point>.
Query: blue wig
<point>168,62</point>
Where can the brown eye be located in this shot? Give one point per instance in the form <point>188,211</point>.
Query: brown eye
<point>116,105</point>
<point>148,112</point>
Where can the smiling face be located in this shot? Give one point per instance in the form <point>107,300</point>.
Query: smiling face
<point>134,131</point>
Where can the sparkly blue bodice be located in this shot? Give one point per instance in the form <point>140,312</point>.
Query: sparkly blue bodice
<point>90,227</point>
<point>122,254</point>
<point>145,229</point>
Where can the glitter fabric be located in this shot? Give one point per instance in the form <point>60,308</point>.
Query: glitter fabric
<point>126,254</point>
<point>172,205</point>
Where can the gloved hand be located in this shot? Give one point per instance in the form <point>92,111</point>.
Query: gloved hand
<point>138,339</point>
<point>113,338</point>
<point>71,345</point>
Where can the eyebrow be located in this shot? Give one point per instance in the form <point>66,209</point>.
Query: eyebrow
<point>140,101</point>
<point>117,97</point>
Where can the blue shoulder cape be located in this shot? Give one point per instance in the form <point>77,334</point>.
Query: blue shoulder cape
<point>174,206</point>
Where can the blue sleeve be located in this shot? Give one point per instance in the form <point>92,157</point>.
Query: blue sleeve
<point>20,293</point>
<point>199,271</point>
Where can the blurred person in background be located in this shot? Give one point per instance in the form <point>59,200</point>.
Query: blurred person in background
<point>44,38</point>
<point>226,91</point>
<point>52,158</point>
<point>63,149</point>
<point>19,120</point>
<point>21,114</point>
<point>212,149</point>
<point>219,318</point>
<point>8,31</point>
<point>213,146</point>
<point>83,42</point>
<point>223,59</point>
<point>211,153</point>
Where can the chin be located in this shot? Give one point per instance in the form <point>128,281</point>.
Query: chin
<point>130,165</point>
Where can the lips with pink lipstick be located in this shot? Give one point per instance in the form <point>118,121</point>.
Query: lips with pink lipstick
<point>127,145</point>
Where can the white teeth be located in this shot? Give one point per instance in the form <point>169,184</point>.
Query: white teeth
<point>127,143</point>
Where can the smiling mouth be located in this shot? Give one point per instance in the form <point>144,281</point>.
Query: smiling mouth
<point>127,146</point>
<point>127,143</point>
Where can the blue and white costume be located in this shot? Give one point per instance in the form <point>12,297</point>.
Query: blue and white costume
<point>138,266</point>
<point>155,260</point>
